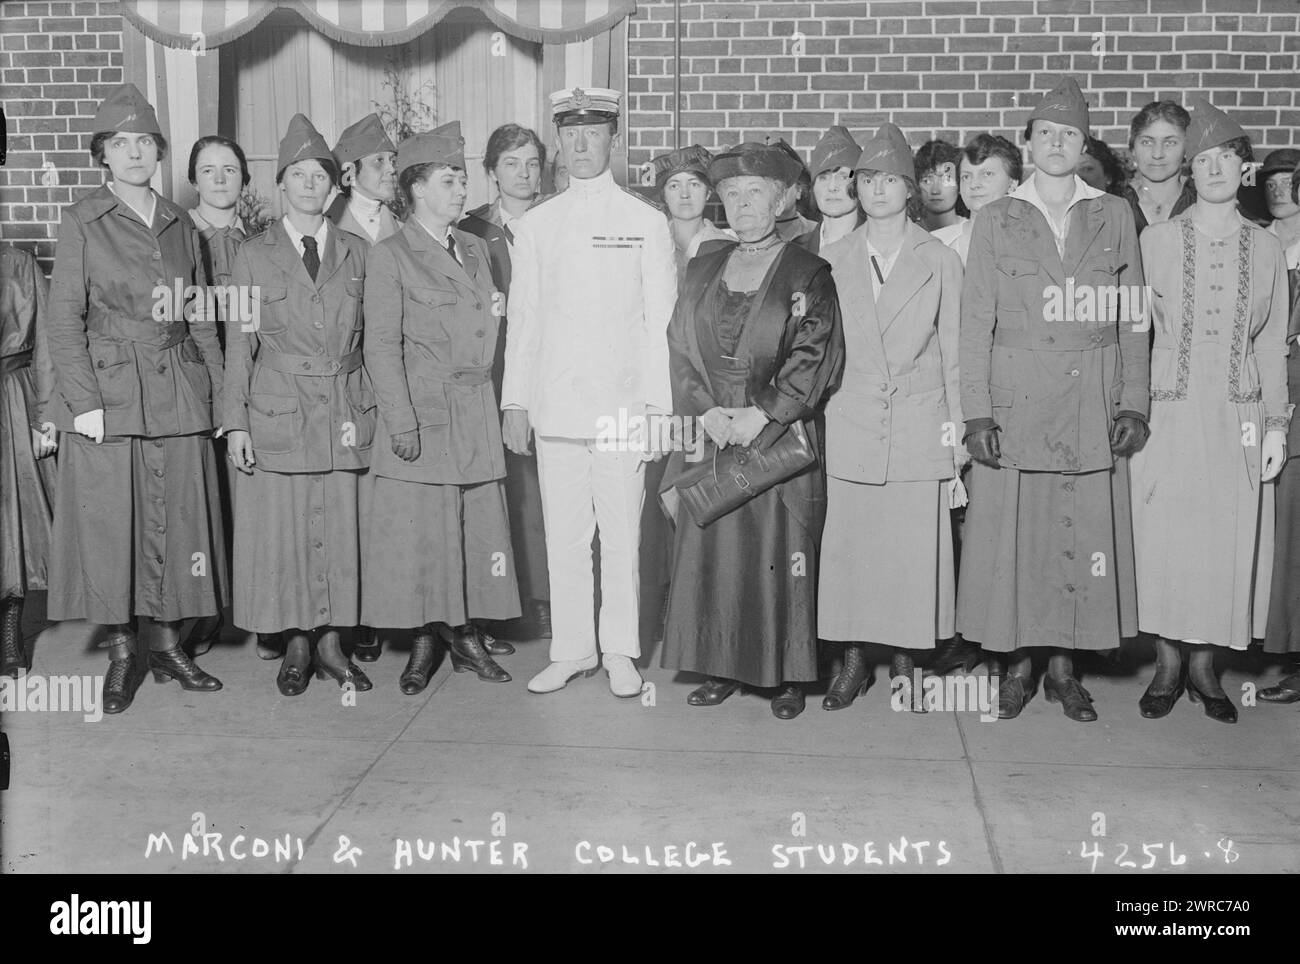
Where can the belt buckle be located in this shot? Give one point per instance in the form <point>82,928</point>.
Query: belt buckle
<point>741,480</point>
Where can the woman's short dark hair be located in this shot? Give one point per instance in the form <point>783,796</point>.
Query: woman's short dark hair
<point>1110,164</point>
<point>211,139</point>
<point>984,146</point>
<point>326,163</point>
<point>933,153</point>
<point>100,139</point>
<point>418,172</point>
<point>1295,185</point>
<point>1241,147</point>
<point>1169,111</point>
<point>509,137</point>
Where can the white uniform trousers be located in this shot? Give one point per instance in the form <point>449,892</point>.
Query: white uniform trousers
<point>585,488</point>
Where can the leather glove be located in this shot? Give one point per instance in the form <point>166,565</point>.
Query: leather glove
<point>406,445</point>
<point>984,448</point>
<point>1127,435</point>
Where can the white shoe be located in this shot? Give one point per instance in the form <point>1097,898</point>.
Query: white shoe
<point>557,675</point>
<point>624,680</point>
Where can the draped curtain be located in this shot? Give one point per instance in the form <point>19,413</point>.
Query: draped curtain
<point>218,67</point>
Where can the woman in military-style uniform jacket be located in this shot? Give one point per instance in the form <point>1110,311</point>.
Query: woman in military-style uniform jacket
<point>137,375</point>
<point>295,384</point>
<point>437,548</point>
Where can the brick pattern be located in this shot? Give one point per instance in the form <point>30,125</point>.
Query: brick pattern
<point>951,68</point>
<point>57,61</point>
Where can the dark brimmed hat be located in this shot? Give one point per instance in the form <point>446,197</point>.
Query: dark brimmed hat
<point>125,109</point>
<point>758,160</point>
<point>1064,104</point>
<point>887,151</point>
<point>442,145</point>
<point>367,136</point>
<point>1287,159</point>
<point>1210,127</point>
<point>694,159</point>
<point>301,142</point>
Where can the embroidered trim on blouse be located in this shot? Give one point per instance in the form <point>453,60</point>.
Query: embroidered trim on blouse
<point>1235,394</point>
<point>1179,391</point>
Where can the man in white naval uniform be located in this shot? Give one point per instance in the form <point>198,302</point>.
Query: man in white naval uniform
<point>591,294</point>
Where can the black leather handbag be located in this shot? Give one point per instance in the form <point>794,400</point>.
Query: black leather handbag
<point>736,474</point>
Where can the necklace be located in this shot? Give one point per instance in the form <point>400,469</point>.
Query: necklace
<point>757,245</point>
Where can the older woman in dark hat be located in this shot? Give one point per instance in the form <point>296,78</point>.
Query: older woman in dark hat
<point>1202,517</point>
<point>137,375</point>
<point>27,475</point>
<point>834,189</point>
<point>682,180</point>
<point>755,345</point>
<point>300,417</point>
<point>436,551</point>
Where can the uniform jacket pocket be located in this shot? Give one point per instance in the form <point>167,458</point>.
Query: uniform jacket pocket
<point>119,384</point>
<point>274,423</point>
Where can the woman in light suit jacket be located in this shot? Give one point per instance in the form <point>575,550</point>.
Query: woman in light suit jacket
<point>892,439</point>
<point>436,549</point>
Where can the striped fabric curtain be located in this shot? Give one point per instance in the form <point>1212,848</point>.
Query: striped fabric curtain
<point>370,23</point>
<point>190,58</point>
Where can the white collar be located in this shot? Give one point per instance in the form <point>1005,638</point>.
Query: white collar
<point>1083,191</point>
<point>365,206</point>
<point>602,183</point>
<point>153,205</point>
<point>203,223</point>
<point>296,236</point>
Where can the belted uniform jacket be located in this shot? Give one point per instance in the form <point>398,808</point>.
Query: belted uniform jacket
<point>294,375</point>
<point>1042,352</point>
<point>126,332</point>
<point>431,334</point>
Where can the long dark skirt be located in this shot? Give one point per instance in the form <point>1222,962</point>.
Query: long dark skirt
<point>742,604</point>
<point>26,491</point>
<point>436,553</point>
<point>297,550</point>
<point>528,532</point>
<point>1047,560</point>
<point>137,530</point>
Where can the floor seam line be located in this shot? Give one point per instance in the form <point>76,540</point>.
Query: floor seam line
<point>995,857</point>
<point>310,839</point>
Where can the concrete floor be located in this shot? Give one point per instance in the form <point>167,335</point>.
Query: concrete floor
<point>541,775</point>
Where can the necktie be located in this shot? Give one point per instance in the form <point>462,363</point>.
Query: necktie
<point>310,258</point>
<point>451,248</point>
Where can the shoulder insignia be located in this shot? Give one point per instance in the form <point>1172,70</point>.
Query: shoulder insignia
<point>643,199</point>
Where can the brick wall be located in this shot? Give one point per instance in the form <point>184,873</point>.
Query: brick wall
<point>57,60</point>
<point>952,68</point>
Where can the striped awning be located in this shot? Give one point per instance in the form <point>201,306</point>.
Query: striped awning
<point>199,24</point>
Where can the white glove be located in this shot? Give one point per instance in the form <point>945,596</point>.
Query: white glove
<point>90,424</point>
